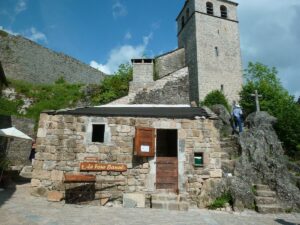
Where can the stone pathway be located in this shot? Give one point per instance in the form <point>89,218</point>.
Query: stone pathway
<point>19,208</point>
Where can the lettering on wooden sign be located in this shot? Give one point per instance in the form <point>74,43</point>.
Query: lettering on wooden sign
<point>93,166</point>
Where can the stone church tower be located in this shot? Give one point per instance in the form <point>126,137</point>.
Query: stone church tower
<point>209,32</point>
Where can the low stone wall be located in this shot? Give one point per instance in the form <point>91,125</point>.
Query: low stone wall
<point>64,142</point>
<point>169,63</point>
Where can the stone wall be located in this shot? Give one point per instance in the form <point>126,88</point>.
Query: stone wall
<point>172,89</point>
<point>64,141</point>
<point>19,149</point>
<point>25,60</point>
<point>169,63</point>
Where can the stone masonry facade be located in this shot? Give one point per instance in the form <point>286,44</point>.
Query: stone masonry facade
<point>212,48</point>
<point>64,141</point>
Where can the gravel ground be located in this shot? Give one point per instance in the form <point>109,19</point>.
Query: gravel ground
<point>17,207</point>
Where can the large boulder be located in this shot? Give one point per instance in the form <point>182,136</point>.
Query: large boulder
<point>262,160</point>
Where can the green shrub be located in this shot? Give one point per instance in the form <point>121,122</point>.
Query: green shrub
<point>214,98</point>
<point>3,33</point>
<point>221,201</point>
<point>113,87</point>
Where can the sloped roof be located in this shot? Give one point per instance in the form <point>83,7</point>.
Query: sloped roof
<point>150,112</point>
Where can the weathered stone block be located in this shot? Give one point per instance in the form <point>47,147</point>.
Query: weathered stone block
<point>54,196</point>
<point>35,182</point>
<point>49,165</point>
<point>134,200</point>
<point>41,174</point>
<point>217,173</point>
<point>57,175</point>
<point>39,192</point>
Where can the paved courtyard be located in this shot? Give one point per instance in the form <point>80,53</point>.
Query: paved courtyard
<point>17,207</point>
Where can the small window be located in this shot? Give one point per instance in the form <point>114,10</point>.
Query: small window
<point>222,88</point>
<point>182,22</point>
<point>98,133</point>
<point>223,11</point>
<point>187,13</point>
<point>209,8</point>
<point>217,51</point>
<point>198,159</point>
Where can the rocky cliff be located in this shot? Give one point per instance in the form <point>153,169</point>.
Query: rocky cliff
<point>25,60</point>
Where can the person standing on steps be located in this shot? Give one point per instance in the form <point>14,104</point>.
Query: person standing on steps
<point>237,114</point>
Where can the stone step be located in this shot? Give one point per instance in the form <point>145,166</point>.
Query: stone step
<point>262,187</point>
<point>265,194</point>
<point>178,206</point>
<point>168,197</point>
<point>265,200</point>
<point>269,209</point>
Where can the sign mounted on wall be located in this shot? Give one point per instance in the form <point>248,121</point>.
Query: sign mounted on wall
<point>93,166</point>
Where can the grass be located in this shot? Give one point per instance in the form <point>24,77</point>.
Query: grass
<point>45,97</point>
<point>221,201</point>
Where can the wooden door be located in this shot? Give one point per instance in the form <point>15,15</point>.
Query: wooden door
<point>167,173</point>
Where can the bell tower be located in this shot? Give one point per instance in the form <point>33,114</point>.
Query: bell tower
<point>209,32</point>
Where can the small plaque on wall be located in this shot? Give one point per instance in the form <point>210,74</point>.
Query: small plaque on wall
<point>145,148</point>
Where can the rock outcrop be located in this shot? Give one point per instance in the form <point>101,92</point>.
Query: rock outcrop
<point>23,59</point>
<point>261,162</point>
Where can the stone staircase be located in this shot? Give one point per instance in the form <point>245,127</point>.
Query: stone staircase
<point>169,201</point>
<point>230,151</point>
<point>266,201</point>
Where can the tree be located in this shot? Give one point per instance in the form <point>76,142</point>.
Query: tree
<point>275,100</point>
<point>214,98</point>
<point>113,86</point>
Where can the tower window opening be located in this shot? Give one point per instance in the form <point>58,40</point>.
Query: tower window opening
<point>209,8</point>
<point>182,21</point>
<point>187,13</point>
<point>224,13</point>
<point>217,51</point>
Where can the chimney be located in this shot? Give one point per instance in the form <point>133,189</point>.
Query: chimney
<point>142,73</point>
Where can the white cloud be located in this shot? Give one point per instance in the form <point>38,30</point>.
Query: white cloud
<point>21,6</point>
<point>272,40</point>
<point>128,36</point>
<point>35,35</point>
<point>121,55</point>
<point>119,10</point>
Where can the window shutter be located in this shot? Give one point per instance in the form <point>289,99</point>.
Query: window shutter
<point>144,142</point>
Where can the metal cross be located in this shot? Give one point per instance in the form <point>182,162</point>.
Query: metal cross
<point>257,96</point>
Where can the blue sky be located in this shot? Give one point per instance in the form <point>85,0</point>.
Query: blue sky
<point>105,33</point>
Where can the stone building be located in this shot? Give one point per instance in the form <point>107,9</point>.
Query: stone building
<point>127,152</point>
<point>138,155</point>
<point>208,58</point>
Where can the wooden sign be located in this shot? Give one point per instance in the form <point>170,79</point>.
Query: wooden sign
<point>69,178</point>
<point>93,166</point>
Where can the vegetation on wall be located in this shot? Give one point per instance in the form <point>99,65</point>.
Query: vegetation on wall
<point>112,87</point>
<point>62,95</point>
<point>214,98</point>
<point>276,101</point>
